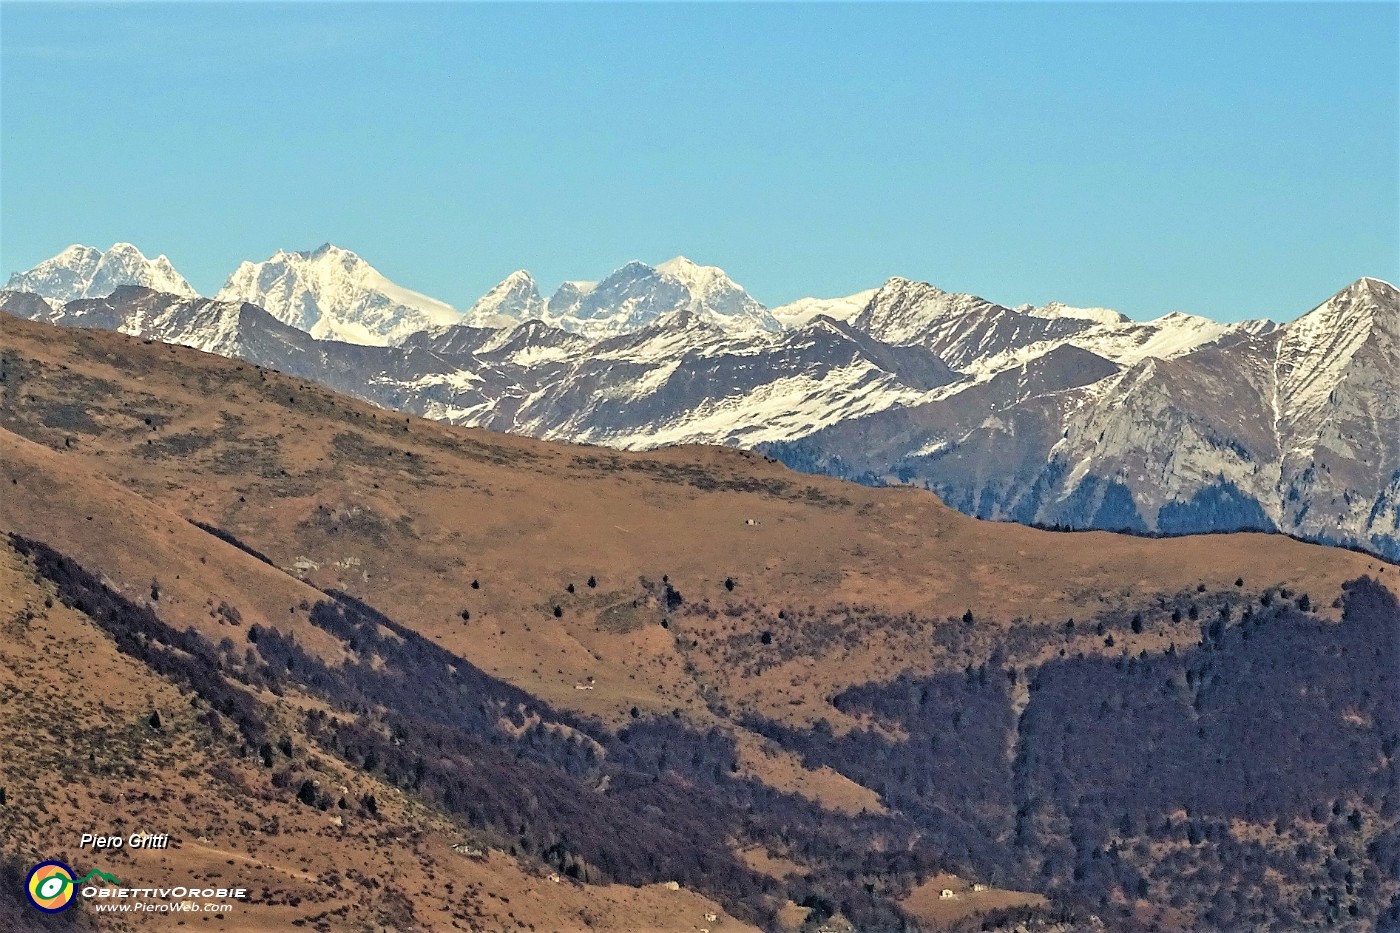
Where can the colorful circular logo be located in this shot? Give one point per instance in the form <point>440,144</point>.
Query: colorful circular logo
<point>50,887</point>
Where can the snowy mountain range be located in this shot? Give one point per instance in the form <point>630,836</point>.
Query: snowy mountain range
<point>1076,417</point>
<point>627,300</point>
<point>1294,428</point>
<point>333,294</point>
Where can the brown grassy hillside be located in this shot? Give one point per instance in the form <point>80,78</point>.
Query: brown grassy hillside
<point>81,755</point>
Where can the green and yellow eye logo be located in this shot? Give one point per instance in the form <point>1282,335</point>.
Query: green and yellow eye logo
<point>50,887</point>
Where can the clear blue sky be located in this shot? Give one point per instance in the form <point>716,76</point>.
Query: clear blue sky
<point>1231,160</point>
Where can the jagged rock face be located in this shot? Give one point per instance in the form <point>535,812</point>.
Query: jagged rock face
<point>84,272</point>
<point>331,293</point>
<point>1298,428</point>
<point>975,443</point>
<point>1339,416</point>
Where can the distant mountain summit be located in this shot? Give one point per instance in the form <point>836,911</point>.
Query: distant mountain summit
<point>84,272</point>
<point>331,293</point>
<point>626,301</point>
<point>515,299</point>
<point>638,294</point>
<point>718,299</point>
<point>799,312</point>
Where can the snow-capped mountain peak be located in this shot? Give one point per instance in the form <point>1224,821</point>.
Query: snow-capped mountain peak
<point>332,293</point>
<point>799,312</point>
<point>1346,317</point>
<point>699,279</point>
<point>84,272</point>
<point>637,294</point>
<point>903,312</point>
<point>571,291</point>
<point>719,299</point>
<point>1316,351</point>
<point>1384,296</point>
<point>1057,310</point>
<point>515,298</point>
<point>518,277</point>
